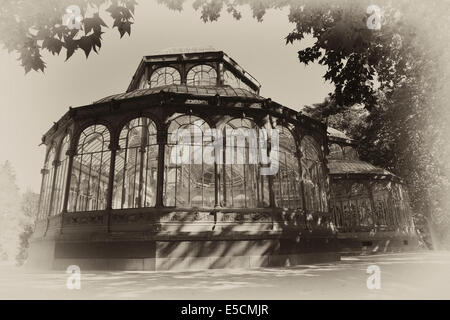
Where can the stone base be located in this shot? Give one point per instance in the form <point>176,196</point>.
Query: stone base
<point>178,255</point>
<point>196,263</point>
<point>381,242</point>
<point>159,239</point>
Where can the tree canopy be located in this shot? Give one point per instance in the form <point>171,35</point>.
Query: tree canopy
<point>28,27</point>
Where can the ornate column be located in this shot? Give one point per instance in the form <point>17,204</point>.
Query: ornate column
<point>219,71</point>
<point>224,173</point>
<point>216,168</point>
<point>162,141</point>
<point>183,74</point>
<point>44,172</point>
<point>71,153</point>
<point>56,164</point>
<point>113,147</point>
<point>300,168</point>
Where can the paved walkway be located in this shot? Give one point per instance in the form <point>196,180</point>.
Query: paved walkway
<point>424,275</point>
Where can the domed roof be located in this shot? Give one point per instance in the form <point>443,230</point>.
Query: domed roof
<point>223,91</point>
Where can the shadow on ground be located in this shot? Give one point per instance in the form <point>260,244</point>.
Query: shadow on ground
<point>421,275</point>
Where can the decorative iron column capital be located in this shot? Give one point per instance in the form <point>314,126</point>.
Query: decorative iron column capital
<point>56,163</point>
<point>71,152</point>
<point>114,147</point>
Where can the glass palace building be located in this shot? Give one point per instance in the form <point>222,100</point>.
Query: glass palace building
<point>135,181</point>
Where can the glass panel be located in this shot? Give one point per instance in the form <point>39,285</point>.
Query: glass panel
<point>362,213</point>
<point>338,195</point>
<point>241,184</point>
<point>380,191</point>
<point>73,192</point>
<point>401,209</point>
<point>188,178</point>
<point>202,75</point>
<point>346,215</point>
<point>286,182</point>
<point>91,170</point>
<point>136,165</point>
<point>313,175</point>
<point>231,80</point>
<point>143,83</point>
<point>164,76</point>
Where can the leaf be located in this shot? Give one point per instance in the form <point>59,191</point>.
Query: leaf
<point>86,43</point>
<point>53,45</point>
<point>124,27</point>
<point>94,24</point>
<point>71,46</point>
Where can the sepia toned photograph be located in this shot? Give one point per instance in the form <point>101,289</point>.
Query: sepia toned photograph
<point>223,154</point>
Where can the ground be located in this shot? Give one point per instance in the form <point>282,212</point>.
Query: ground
<point>423,275</point>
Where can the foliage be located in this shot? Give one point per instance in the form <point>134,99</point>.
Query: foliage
<point>9,212</point>
<point>352,120</point>
<point>17,215</point>
<point>28,27</point>
<point>24,238</point>
<point>29,206</point>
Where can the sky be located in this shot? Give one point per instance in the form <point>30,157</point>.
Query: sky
<point>30,103</point>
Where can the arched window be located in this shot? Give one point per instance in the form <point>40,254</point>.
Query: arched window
<point>47,182</point>
<point>189,179</point>
<point>313,175</point>
<point>61,176</point>
<point>286,182</point>
<point>164,76</point>
<point>241,184</point>
<point>136,165</point>
<point>202,75</point>
<point>91,167</point>
<point>336,152</point>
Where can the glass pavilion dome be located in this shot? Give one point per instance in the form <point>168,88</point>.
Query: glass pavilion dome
<point>117,194</point>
